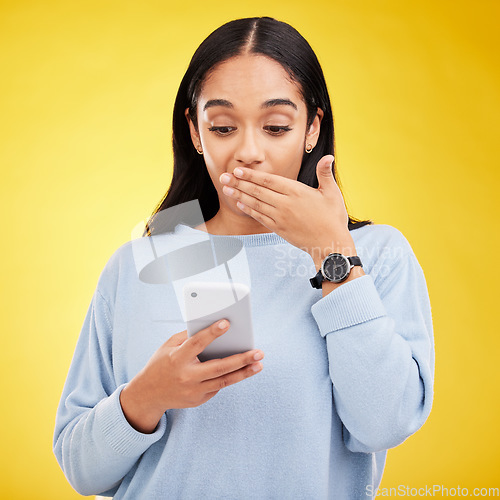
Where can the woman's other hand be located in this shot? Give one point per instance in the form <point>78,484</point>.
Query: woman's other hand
<point>174,377</point>
<point>314,220</point>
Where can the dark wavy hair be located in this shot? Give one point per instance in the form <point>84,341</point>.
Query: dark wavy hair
<point>257,35</point>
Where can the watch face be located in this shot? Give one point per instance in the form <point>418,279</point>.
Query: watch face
<point>336,267</point>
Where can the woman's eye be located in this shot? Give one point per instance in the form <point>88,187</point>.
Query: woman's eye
<point>221,130</point>
<point>278,129</point>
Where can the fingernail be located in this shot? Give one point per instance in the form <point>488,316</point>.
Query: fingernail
<point>222,324</point>
<point>238,172</point>
<point>225,178</point>
<point>258,356</point>
<point>257,367</point>
<point>228,190</point>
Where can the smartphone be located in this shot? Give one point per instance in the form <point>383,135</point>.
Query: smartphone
<point>207,302</point>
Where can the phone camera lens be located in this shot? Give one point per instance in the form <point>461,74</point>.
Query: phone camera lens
<point>194,294</point>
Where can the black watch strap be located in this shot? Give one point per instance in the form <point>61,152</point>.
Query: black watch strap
<point>355,260</point>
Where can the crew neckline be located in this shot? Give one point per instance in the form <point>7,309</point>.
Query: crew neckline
<point>248,240</point>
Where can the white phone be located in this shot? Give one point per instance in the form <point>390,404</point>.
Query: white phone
<point>206,302</point>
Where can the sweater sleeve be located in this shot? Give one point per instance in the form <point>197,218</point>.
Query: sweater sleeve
<point>93,442</point>
<point>380,354</point>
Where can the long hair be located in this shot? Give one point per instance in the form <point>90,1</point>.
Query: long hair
<point>257,35</point>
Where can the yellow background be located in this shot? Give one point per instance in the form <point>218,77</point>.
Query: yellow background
<point>86,98</point>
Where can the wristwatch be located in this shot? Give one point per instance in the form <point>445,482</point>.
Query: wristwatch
<point>335,268</point>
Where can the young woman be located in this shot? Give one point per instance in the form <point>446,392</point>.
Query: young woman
<point>349,357</point>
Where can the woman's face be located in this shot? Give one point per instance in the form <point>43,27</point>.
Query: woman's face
<point>251,114</point>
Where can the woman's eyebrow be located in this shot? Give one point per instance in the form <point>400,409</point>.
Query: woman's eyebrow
<point>279,102</point>
<point>267,104</point>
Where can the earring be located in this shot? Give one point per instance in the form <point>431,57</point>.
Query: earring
<point>199,150</point>
<point>309,148</point>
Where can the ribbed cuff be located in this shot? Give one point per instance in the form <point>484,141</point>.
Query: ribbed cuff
<point>351,303</point>
<point>119,434</point>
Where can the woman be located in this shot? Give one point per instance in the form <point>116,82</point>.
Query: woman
<point>349,361</point>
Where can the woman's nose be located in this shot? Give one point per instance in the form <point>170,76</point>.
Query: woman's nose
<point>249,148</point>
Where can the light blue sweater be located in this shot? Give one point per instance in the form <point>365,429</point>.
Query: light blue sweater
<point>345,377</point>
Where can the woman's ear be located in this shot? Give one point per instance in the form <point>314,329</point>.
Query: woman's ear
<point>314,130</point>
<point>192,130</point>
